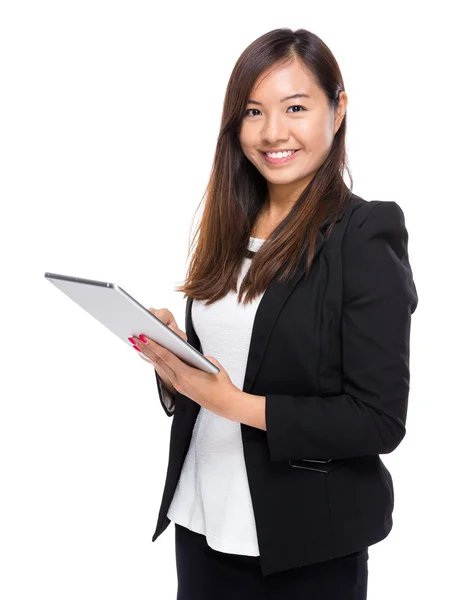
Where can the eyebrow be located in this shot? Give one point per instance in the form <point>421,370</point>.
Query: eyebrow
<point>298,95</point>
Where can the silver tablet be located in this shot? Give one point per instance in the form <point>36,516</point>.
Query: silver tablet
<point>124,316</point>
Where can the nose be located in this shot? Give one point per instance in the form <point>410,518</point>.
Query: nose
<point>274,132</point>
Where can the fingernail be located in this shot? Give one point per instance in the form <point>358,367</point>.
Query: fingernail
<point>136,348</point>
<point>143,339</point>
<point>132,340</point>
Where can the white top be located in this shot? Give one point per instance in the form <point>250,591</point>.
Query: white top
<point>212,495</point>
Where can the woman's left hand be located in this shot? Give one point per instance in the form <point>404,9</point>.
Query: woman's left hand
<point>215,392</point>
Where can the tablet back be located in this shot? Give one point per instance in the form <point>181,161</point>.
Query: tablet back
<point>125,317</point>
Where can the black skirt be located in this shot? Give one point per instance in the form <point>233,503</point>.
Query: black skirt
<point>204,574</point>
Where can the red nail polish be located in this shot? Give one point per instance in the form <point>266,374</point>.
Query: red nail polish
<point>132,340</point>
<point>143,339</point>
<point>136,348</point>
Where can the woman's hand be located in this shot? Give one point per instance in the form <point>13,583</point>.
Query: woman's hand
<point>215,392</point>
<point>168,319</point>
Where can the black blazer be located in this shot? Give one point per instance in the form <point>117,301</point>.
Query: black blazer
<point>331,355</point>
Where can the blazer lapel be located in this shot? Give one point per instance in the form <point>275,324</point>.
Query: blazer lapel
<point>269,307</point>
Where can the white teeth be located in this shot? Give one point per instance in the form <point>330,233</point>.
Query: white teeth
<point>280,154</point>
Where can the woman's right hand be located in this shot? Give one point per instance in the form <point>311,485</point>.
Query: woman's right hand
<point>164,315</point>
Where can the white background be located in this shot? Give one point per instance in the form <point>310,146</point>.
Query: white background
<point>109,117</point>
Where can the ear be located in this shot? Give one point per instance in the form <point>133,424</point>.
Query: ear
<point>340,111</point>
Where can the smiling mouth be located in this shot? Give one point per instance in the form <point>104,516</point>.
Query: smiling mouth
<point>277,151</point>
<point>279,161</point>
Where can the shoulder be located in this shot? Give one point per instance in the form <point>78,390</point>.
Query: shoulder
<point>360,210</point>
<point>372,219</point>
<point>375,255</point>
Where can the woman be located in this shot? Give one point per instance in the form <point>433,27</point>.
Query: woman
<point>274,481</point>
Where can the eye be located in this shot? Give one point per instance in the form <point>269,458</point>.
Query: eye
<point>297,106</point>
<point>294,106</point>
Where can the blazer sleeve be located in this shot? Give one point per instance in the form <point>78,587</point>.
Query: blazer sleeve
<point>166,398</point>
<point>379,297</point>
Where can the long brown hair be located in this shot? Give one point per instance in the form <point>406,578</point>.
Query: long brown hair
<point>236,189</point>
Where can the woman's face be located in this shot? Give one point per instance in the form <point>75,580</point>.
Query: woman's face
<point>305,124</point>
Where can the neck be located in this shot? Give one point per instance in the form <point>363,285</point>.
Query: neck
<point>281,198</point>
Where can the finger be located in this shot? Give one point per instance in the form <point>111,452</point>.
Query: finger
<point>164,315</point>
<point>160,366</point>
<point>172,366</point>
<point>141,355</point>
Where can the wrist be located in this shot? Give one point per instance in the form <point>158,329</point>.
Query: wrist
<point>250,410</point>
